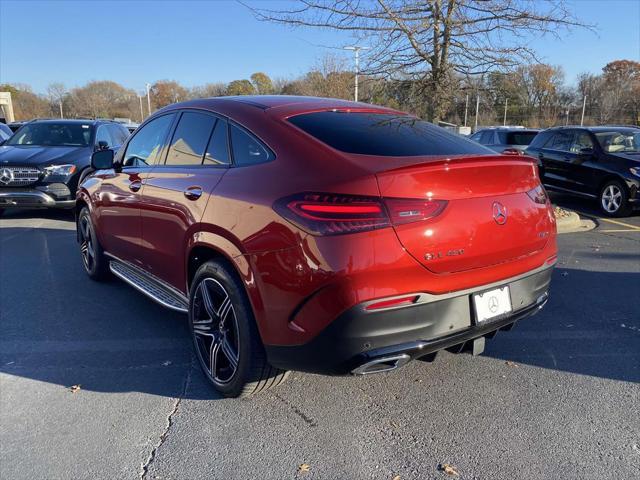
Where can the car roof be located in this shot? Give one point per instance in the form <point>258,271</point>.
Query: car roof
<point>599,128</point>
<point>285,105</point>
<point>73,121</point>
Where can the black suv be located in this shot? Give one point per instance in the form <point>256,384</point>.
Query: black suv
<point>42,163</point>
<point>596,162</point>
<point>512,140</point>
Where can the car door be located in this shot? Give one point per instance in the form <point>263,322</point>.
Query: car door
<point>555,158</point>
<point>118,205</point>
<point>178,189</point>
<point>583,171</point>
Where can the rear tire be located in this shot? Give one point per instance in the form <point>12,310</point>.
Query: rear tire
<point>225,337</point>
<point>614,200</point>
<point>94,260</point>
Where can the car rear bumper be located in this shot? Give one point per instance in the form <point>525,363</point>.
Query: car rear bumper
<point>358,339</point>
<point>32,199</point>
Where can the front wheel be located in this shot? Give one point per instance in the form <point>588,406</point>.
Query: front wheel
<point>225,336</point>
<point>614,201</point>
<point>94,260</point>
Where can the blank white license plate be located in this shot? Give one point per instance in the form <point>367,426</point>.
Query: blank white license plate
<point>492,303</point>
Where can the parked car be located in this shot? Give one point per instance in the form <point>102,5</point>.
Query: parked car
<point>512,140</point>
<point>318,235</point>
<point>41,164</point>
<point>5,133</point>
<point>593,162</point>
<point>14,126</point>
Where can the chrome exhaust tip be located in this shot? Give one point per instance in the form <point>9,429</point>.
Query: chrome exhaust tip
<point>384,364</point>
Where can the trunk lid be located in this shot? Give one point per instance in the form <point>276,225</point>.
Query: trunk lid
<point>466,235</point>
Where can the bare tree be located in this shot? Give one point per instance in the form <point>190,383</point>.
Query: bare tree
<point>57,93</point>
<point>430,41</point>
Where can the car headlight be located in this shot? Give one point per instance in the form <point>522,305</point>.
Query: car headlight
<point>60,170</point>
<point>635,171</point>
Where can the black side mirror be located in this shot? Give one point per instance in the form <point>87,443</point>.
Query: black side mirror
<point>587,151</point>
<point>102,159</point>
<point>102,145</point>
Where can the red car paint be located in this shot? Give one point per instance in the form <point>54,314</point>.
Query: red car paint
<point>297,282</point>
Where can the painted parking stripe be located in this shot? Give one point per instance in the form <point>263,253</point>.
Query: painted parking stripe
<point>622,224</point>
<point>635,230</point>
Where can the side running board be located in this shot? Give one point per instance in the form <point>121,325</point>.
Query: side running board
<point>152,287</point>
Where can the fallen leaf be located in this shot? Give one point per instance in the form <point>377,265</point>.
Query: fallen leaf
<point>304,468</point>
<point>74,388</point>
<point>393,424</point>
<point>511,364</point>
<point>448,469</point>
<point>396,477</point>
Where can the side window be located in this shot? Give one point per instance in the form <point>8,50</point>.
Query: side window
<point>561,141</point>
<point>487,137</point>
<point>190,139</point>
<point>218,149</point>
<point>118,134</point>
<point>146,144</point>
<point>246,149</point>
<point>582,140</point>
<point>103,135</point>
<point>476,136</point>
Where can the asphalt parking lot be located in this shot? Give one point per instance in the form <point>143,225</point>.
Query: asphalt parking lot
<point>557,397</point>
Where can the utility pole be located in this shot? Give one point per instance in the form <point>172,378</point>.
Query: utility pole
<point>356,50</point>
<point>148,85</point>
<point>466,107</point>
<point>566,120</point>
<point>60,105</point>
<point>141,110</point>
<point>504,120</point>
<point>584,105</point>
<point>477,109</point>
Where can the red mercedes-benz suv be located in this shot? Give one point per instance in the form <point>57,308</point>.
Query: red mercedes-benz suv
<point>318,235</point>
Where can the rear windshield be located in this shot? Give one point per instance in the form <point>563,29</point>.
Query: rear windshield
<point>384,134</point>
<point>516,138</point>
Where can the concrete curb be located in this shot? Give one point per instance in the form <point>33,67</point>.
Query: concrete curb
<point>572,223</point>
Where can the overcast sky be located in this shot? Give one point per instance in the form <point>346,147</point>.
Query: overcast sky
<point>197,42</point>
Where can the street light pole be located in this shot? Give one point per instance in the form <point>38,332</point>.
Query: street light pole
<point>141,110</point>
<point>584,104</point>
<point>504,120</point>
<point>149,97</point>
<point>466,107</point>
<point>477,109</point>
<point>356,50</point>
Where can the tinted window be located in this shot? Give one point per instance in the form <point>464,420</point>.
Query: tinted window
<point>487,137</point>
<point>145,146</point>
<point>246,149</point>
<point>540,139</point>
<point>561,140</point>
<point>118,134</point>
<point>476,136</point>
<point>516,138</point>
<point>103,135</point>
<point>53,134</point>
<point>190,139</point>
<point>582,140</point>
<point>384,134</point>
<point>218,149</point>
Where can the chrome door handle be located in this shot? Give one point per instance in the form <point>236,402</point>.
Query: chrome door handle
<point>135,186</point>
<point>193,193</point>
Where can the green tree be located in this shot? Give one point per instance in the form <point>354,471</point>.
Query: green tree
<point>262,83</point>
<point>241,87</point>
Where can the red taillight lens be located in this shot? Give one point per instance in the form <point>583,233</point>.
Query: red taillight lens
<point>408,210</point>
<point>331,214</point>
<point>538,195</point>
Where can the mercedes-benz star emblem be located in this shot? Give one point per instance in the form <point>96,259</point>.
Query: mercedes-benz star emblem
<point>493,304</point>
<point>499,213</point>
<point>6,176</point>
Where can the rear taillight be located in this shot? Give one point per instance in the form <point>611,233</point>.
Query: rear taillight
<point>538,195</point>
<point>334,214</point>
<point>331,214</point>
<point>408,210</point>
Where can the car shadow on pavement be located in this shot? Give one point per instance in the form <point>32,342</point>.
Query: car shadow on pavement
<point>590,326</point>
<point>59,327</point>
